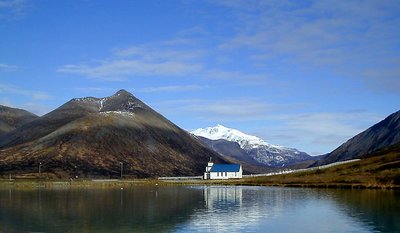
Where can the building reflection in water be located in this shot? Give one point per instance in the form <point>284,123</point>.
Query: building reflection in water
<point>215,197</point>
<point>230,209</point>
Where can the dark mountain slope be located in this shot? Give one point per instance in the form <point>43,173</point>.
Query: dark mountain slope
<point>383,134</point>
<point>12,118</point>
<point>90,137</point>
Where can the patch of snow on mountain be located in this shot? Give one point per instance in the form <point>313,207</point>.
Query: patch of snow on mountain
<point>101,103</point>
<point>244,140</point>
<point>132,105</point>
<point>86,99</point>
<point>123,113</point>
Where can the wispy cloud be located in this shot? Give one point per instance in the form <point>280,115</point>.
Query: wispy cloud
<point>232,110</point>
<point>347,37</point>
<point>36,108</point>
<point>155,52</point>
<point>120,69</point>
<point>323,131</point>
<point>38,95</point>
<point>176,88</point>
<point>7,67</point>
<point>237,77</point>
<point>391,74</point>
<point>176,57</point>
<point>35,95</point>
<point>225,110</point>
<point>5,101</point>
<point>150,59</point>
<point>93,89</point>
<point>13,9</point>
<point>33,99</point>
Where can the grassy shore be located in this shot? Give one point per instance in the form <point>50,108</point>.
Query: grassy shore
<point>381,171</point>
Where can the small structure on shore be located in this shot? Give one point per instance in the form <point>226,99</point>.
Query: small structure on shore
<point>222,171</point>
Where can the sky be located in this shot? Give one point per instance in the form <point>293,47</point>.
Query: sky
<point>303,74</point>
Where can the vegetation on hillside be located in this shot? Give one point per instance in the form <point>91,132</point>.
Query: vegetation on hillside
<point>380,171</point>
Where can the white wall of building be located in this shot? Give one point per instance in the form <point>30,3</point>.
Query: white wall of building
<point>226,175</point>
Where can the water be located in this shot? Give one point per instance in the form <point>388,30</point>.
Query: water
<point>199,209</point>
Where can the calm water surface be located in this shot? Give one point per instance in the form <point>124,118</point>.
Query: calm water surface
<point>199,209</point>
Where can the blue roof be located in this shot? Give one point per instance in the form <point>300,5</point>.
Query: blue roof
<point>225,168</point>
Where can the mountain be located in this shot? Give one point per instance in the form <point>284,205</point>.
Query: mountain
<point>381,135</point>
<point>12,118</point>
<point>90,137</point>
<point>250,149</point>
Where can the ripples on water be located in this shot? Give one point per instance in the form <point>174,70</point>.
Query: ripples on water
<point>199,209</point>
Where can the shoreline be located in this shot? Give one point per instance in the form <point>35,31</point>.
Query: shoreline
<point>378,172</point>
<point>104,183</point>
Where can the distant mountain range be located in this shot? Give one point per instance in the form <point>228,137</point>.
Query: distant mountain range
<point>381,135</point>
<point>250,149</point>
<point>91,137</point>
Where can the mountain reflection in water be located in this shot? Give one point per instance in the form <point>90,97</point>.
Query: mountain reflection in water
<point>199,209</point>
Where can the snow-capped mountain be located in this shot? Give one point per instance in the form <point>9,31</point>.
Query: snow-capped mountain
<point>221,132</point>
<point>251,147</point>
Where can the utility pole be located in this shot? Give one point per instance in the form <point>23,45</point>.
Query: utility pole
<point>121,164</point>
<point>40,167</point>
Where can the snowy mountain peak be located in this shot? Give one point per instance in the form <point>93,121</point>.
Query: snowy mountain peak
<point>233,135</point>
<point>253,149</point>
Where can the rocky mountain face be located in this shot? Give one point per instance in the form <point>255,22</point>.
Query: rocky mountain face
<point>12,118</point>
<point>383,134</point>
<point>93,137</point>
<point>247,148</point>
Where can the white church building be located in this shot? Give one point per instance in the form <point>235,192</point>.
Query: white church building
<point>223,171</point>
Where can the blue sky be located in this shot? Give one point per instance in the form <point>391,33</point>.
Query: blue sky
<point>304,74</point>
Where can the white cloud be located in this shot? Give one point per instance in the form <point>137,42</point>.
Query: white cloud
<point>322,131</point>
<point>7,67</point>
<point>36,108</point>
<point>40,96</point>
<point>5,101</point>
<point>342,37</point>
<point>120,69</point>
<point>240,109</point>
<point>238,78</point>
<point>32,99</point>
<point>94,89</point>
<point>35,95</point>
<point>391,74</point>
<point>225,110</point>
<point>149,59</point>
<point>156,53</point>
<point>176,88</point>
<point>12,89</point>
<point>13,9</point>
